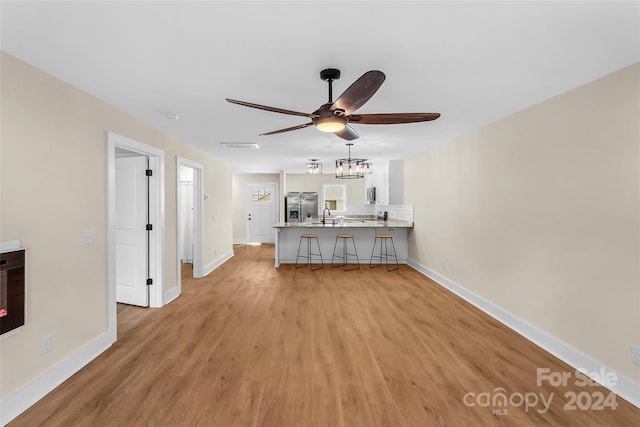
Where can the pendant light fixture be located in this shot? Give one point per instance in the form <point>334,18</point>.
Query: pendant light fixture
<point>313,167</point>
<point>352,168</point>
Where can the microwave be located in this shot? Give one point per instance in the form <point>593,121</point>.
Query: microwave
<point>371,195</point>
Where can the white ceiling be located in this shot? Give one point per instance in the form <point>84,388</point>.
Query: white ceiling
<point>473,62</point>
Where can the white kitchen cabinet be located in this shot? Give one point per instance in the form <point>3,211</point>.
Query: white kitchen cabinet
<point>395,180</point>
<point>382,184</point>
<point>388,179</point>
<point>369,181</point>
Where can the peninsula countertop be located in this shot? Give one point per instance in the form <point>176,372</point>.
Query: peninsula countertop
<point>350,223</point>
<point>363,230</point>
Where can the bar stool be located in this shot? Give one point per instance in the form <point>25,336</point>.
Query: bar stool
<point>384,255</point>
<point>345,254</point>
<point>308,256</point>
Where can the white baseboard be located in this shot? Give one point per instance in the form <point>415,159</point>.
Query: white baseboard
<point>625,387</point>
<point>171,294</point>
<point>217,263</point>
<point>21,400</point>
<point>239,241</point>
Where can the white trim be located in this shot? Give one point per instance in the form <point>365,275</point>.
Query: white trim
<point>156,162</point>
<point>21,400</point>
<point>171,294</point>
<point>277,257</point>
<point>217,263</point>
<point>625,387</point>
<point>156,200</point>
<point>198,190</point>
<point>239,241</point>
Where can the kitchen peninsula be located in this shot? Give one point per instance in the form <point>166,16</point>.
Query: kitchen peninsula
<point>363,231</point>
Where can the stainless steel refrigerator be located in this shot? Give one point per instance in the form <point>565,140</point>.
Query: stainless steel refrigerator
<point>298,204</point>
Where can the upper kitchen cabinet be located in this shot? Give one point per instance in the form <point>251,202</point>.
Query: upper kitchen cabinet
<point>387,178</point>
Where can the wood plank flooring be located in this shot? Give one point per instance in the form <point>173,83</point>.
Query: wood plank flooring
<point>252,345</point>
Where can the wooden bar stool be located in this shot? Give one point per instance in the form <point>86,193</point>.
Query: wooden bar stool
<point>345,253</point>
<point>384,254</point>
<point>309,254</point>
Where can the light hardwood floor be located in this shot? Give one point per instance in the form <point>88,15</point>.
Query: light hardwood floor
<point>252,345</point>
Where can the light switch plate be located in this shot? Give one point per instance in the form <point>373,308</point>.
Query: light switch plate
<point>635,354</point>
<point>89,237</point>
<point>47,344</point>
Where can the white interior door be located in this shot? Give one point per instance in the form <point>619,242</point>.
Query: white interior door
<point>261,213</point>
<point>131,233</point>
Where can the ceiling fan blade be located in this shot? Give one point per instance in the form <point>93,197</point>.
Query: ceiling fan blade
<point>348,133</point>
<point>359,92</point>
<point>288,129</point>
<point>391,118</point>
<point>272,109</point>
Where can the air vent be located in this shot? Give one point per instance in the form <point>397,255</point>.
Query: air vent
<point>240,145</point>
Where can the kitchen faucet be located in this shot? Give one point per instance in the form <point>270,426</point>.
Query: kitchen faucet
<point>326,209</point>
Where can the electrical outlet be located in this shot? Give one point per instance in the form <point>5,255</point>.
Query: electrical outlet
<point>635,354</point>
<point>47,344</point>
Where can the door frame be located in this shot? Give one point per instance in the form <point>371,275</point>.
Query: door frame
<point>198,198</point>
<point>246,201</point>
<point>156,212</point>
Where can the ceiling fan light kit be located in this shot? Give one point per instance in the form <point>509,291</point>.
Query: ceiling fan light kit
<point>330,124</point>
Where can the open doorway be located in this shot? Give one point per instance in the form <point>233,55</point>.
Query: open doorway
<point>189,207</point>
<point>154,244</point>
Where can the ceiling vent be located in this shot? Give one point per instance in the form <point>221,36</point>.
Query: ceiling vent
<point>240,145</point>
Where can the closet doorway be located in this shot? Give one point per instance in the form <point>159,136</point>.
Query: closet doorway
<point>189,207</point>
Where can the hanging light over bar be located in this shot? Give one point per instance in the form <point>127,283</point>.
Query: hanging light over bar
<point>352,168</point>
<point>313,167</point>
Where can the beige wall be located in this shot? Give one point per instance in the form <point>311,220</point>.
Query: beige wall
<point>53,187</point>
<point>539,213</point>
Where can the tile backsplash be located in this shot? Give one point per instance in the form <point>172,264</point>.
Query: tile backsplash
<point>401,212</point>
<point>360,210</point>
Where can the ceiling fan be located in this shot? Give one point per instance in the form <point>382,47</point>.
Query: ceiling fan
<point>337,116</point>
